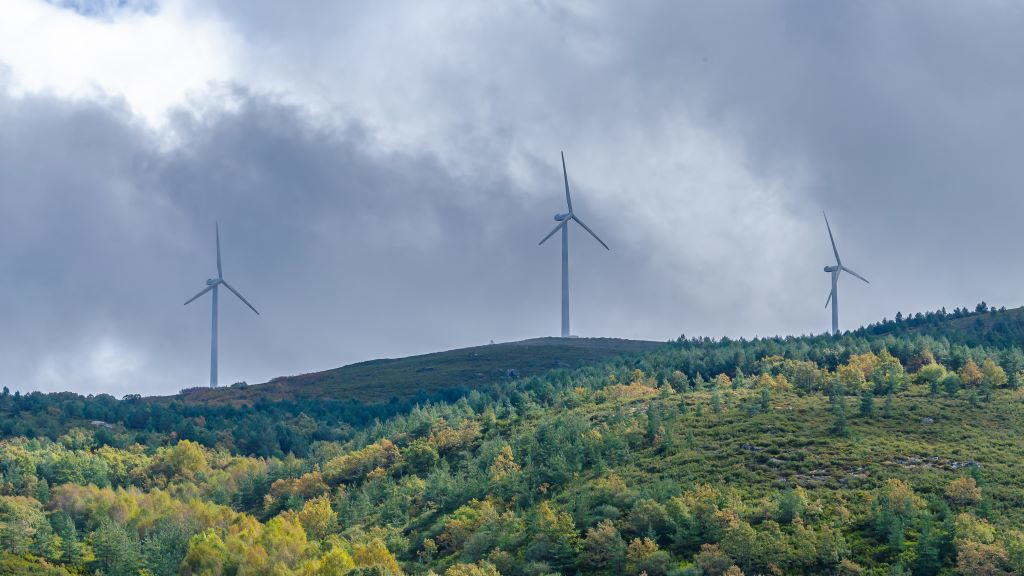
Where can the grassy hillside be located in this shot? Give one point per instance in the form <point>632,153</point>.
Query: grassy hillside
<point>892,450</point>
<point>430,374</point>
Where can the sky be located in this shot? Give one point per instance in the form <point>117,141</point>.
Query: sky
<point>382,173</point>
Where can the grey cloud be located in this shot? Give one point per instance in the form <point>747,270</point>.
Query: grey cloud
<point>348,253</point>
<point>400,213</point>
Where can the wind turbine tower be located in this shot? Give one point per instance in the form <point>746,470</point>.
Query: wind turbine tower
<point>214,284</point>
<point>835,271</point>
<point>563,220</point>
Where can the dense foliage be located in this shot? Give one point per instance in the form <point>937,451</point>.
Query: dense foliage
<point>889,450</point>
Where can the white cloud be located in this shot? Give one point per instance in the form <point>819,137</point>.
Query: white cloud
<point>153,60</point>
<point>105,364</point>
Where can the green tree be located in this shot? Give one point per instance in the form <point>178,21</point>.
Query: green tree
<point>839,424</point>
<point>951,383</point>
<point>993,377</point>
<point>555,539</point>
<point>928,561</point>
<point>791,504</point>
<point>604,548</point>
<point>867,403</point>
<point>766,400</point>
<point>117,552</point>
<point>931,375</point>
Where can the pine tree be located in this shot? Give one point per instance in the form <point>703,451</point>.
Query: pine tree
<point>928,562</point>
<point>766,400</point>
<point>839,425</point>
<point>867,403</point>
<point>653,421</point>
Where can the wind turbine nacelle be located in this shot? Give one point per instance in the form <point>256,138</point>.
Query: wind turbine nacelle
<point>212,281</point>
<point>831,268</point>
<point>562,217</point>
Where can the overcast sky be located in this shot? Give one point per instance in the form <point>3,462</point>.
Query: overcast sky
<point>382,173</point>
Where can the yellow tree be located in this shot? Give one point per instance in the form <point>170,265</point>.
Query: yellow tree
<point>206,556</point>
<point>374,554</point>
<point>963,491</point>
<point>970,374</point>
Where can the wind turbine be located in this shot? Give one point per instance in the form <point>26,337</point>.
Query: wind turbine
<point>214,284</point>
<point>563,225</point>
<point>833,296</point>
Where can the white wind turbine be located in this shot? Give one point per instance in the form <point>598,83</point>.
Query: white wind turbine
<point>833,296</point>
<point>214,285</point>
<point>563,225</point>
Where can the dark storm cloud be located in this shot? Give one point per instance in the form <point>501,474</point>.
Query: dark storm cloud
<point>703,140</point>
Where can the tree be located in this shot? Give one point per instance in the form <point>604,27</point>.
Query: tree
<point>164,546</point>
<point>867,403</point>
<point>791,504</point>
<point>766,400</point>
<point>894,506</point>
<point>336,562</point>
<point>653,422</point>
<point>206,556</point>
<point>970,374</point>
<point>992,377</point>
<point>839,425</point>
<point>23,526</point>
<point>318,518</point>
<point>604,548</point>
<point>928,561</point>
<point>931,375</point>
<point>712,561</point>
<point>951,383</point>
<point>644,557</point>
<point>888,406</point>
<point>117,552</point>
<point>504,473</point>
<point>374,554</point>
<point>963,491</point>
<point>555,539</point>
<point>1012,361</point>
<point>420,456</point>
<point>981,559</point>
<point>70,547</point>
<point>888,374</point>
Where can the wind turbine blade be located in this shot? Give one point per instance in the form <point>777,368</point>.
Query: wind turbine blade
<point>205,290</point>
<point>220,271</point>
<point>829,299</point>
<point>240,297</point>
<point>585,227</point>
<point>845,269</point>
<point>565,176</point>
<point>552,233</point>
<point>832,238</point>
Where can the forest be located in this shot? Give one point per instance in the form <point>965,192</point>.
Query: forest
<point>888,450</point>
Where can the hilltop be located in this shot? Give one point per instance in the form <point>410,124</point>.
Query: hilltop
<point>430,375</point>
<point>451,373</point>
